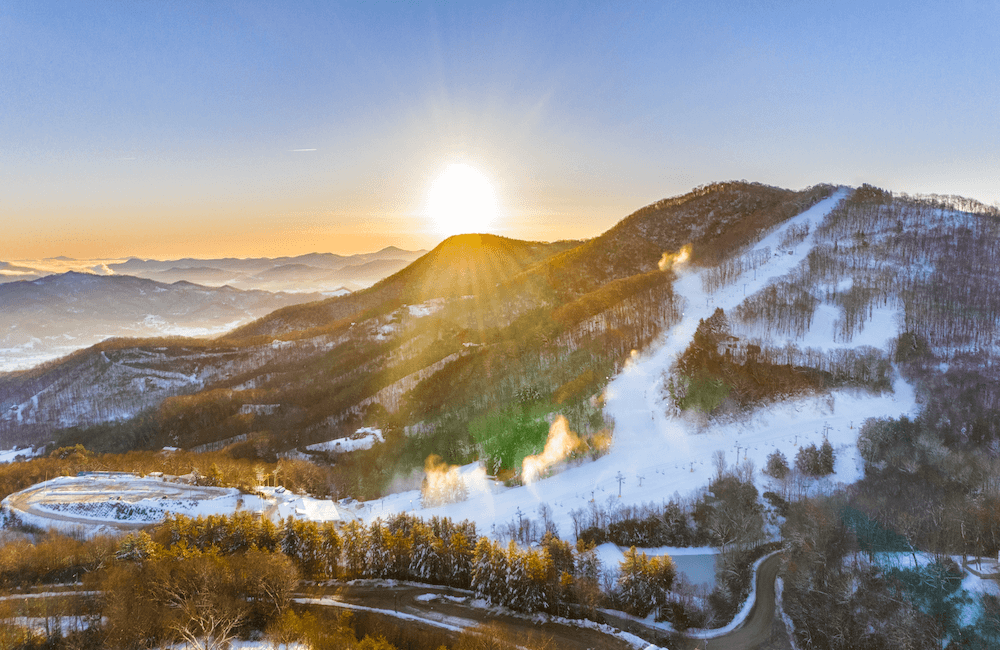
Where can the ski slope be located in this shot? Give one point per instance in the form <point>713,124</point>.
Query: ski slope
<point>660,455</point>
<point>655,454</point>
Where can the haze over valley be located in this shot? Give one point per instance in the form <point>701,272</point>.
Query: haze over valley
<point>48,312</point>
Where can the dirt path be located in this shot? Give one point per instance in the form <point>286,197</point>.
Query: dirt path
<point>445,610</point>
<point>22,503</point>
<point>99,490</point>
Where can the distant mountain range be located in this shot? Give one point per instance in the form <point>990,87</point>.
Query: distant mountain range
<point>7,266</point>
<point>46,312</point>
<point>311,272</point>
<point>54,315</point>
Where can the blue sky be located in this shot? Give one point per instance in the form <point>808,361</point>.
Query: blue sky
<point>166,129</point>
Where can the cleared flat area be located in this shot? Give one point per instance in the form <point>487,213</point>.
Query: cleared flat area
<point>118,501</point>
<point>87,488</point>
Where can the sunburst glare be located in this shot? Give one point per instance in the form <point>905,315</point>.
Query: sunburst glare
<point>462,200</point>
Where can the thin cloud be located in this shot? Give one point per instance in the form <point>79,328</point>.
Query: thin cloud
<point>296,150</point>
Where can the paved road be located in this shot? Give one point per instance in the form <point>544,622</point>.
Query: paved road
<point>757,631</point>
<point>763,629</point>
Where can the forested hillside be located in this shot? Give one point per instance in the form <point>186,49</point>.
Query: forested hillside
<point>930,483</point>
<point>481,333</point>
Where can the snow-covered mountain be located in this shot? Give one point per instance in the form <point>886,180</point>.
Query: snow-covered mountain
<point>486,333</point>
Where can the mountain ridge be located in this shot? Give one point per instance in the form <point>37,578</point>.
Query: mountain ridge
<point>427,341</point>
<point>518,287</point>
<point>433,275</point>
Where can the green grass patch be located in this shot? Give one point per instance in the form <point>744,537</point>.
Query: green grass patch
<point>508,436</point>
<point>705,394</point>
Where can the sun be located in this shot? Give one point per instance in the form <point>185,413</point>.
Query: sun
<point>462,200</point>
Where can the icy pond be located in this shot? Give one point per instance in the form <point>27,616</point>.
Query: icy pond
<point>698,569</point>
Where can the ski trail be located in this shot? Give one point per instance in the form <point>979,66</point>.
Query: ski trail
<point>635,395</point>
<point>657,455</point>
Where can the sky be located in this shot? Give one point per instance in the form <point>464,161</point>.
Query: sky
<point>211,129</point>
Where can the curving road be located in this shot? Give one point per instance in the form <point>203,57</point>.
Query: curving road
<point>39,499</point>
<point>762,629</point>
<point>758,630</point>
<point>449,609</point>
<point>446,608</point>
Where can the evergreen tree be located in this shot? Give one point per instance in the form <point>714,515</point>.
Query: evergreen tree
<point>354,539</point>
<point>807,461</point>
<point>427,561</point>
<point>660,572</point>
<point>482,568</point>
<point>138,547</point>
<point>330,550</point>
<point>826,459</point>
<point>377,558</point>
<point>644,583</point>
<point>268,535</point>
<point>586,576</point>
<point>539,580</point>
<point>777,465</point>
<point>633,589</point>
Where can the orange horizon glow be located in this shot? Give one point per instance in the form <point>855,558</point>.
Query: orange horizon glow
<point>203,233</point>
<point>165,245</point>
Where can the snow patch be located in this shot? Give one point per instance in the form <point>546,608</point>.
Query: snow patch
<point>363,438</point>
<point>425,308</point>
<point>14,455</point>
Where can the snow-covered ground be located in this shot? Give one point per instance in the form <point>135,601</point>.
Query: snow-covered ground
<point>426,308</point>
<point>450,623</point>
<point>119,500</point>
<point>741,616</point>
<point>656,454</point>
<point>973,586</point>
<point>52,626</point>
<point>459,624</point>
<point>363,438</point>
<point>660,455</point>
<point>104,503</point>
<point>283,504</point>
<point>11,455</point>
